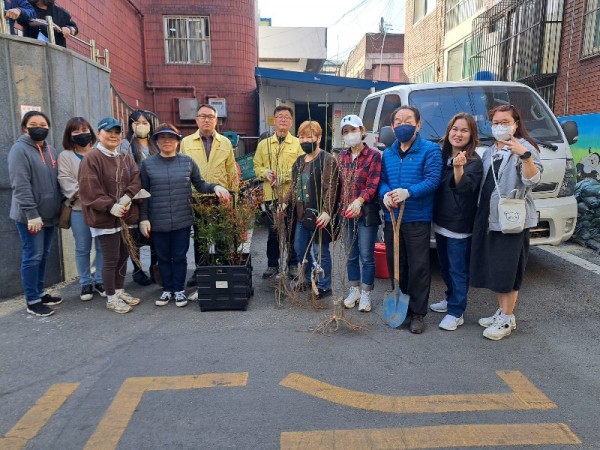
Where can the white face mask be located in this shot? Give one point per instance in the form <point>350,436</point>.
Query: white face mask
<point>502,132</point>
<point>142,130</point>
<point>353,139</point>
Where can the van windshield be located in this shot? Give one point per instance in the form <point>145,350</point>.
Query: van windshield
<point>438,106</point>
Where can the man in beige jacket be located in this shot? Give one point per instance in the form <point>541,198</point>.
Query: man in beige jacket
<point>214,155</point>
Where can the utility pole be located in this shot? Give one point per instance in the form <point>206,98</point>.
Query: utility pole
<point>383,27</point>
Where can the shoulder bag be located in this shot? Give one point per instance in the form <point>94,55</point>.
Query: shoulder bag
<point>64,219</point>
<point>511,211</point>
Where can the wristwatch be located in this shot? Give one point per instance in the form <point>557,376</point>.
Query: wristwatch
<point>526,155</point>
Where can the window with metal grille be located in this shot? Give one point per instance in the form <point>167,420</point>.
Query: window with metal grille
<point>426,75</point>
<point>457,11</point>
<point>187,40</point>
<point>591,29</point>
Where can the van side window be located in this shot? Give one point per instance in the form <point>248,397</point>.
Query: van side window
<point>369,113</point>
<point>390,103</point>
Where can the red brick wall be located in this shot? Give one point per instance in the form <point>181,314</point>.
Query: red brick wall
<point>116,25</point>
<point>583,93</point>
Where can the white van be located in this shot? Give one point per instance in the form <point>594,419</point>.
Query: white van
<point>438,102</point>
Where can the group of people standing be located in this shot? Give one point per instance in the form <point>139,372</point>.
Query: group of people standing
<point>128,193</point>
<point>446,188</point>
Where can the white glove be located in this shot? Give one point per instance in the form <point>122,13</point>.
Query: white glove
<point>353,209</point>
<point>399,195</point>
<point>145,228</point>
<point>125,201</point>
<point>323,220</point>
<point>388,201</point>
<point>222,193</point>
<point>118,210</point>
<point>35,225</point>
<point>270,175</point>
<point>281,208</point>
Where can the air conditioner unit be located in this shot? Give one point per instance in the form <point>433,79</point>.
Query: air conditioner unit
<point>188,107</point>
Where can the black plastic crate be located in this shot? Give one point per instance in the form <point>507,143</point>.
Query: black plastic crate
<point>224,287</point>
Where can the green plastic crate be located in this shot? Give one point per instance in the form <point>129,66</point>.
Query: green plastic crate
<point>246,163</point>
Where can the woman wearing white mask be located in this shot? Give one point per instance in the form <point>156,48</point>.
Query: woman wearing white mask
<point>498,260</point>
<point>140,129</point>
<point>360,170</point>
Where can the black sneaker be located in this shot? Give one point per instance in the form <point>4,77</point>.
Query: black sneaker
<point>323,293</point>
<point>270,272</point>
<point>87,292</point>
<point>40,310</point>
<point>191,282</point>
<point>51,300</point>
<point>99,288</point>
<point>141,278</point>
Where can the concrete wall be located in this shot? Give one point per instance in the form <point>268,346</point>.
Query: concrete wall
<point>63,84</point>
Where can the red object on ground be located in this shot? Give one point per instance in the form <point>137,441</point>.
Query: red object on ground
<point>381,267</point>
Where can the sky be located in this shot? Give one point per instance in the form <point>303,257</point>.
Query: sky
<point>346,21</point>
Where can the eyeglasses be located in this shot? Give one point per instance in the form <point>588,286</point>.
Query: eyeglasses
<point>283,118</point>
<point>205,117</point>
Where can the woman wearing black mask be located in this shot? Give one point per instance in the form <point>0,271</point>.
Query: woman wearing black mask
<point>313,194</point>
<point>35,206</point>
<point>78,139</point>
<point>140,129</point>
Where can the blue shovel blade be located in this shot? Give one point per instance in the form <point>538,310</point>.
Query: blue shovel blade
<point>395,308</point>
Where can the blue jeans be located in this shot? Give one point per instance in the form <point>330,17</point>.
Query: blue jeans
<point>83,248</point>
<point>454,256</point>
<point>360,242</point>
<point>171,249</point>
<point>301,240</point>
<point>36,249</point>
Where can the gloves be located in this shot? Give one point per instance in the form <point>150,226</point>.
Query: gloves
<point>222,193</point>
<point>323,220</point>
<point>399,195</point>
<point>270,175</point>
<point>145,228</point>
<point>353,209</point>
<point>281,209</point>
<point>118,210</point>
<point>125,201</point>
<point>35,225</point>
<point>388,201</point>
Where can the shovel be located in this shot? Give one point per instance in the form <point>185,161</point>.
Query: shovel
<point>395,303</point>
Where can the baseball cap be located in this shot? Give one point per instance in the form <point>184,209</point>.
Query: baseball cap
<point>108,123</point>
<point>167,131</point>
<point>351,119</point>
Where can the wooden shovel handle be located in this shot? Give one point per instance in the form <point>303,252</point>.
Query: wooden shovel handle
<point>396,230</point>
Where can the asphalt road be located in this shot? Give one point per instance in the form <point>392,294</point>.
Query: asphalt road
<point>178,378</point>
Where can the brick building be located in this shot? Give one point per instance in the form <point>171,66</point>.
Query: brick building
<point>162,51</point>
<point>377,56</point>
<point>578,82</point>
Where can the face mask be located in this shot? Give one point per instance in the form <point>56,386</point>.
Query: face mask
<point>82,139</point>
<point>308,147</point>
<point>405,133</point>
<point>502,132</point>
<point>38,134</point>
<point>142,130</point>
<point>352,139</point>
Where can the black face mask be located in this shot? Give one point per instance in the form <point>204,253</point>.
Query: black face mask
<point>38,134</point>
<point>82,139</point>
<point>308,147</point>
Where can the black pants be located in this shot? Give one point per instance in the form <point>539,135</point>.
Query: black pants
<point>273,239</point>
<point>415,270</point>
<point>141,241</point>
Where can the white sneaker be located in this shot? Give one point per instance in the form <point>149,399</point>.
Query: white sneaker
<point>353,297</point>
<point>118,306</point>
<point>180,299</point>
<point>365,303</point>
<point>193,297</point>
<point>164,299</point>
<point>128,298</point>
<point>489,321</point>
<point>499,329</point>
<point>441,306</point>
<point>451,323</point>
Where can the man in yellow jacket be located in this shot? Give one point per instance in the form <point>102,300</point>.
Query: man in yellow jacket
<point>213,153</point>
<point>273,163</point>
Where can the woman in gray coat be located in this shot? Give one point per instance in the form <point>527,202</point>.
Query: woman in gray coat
<point>167,214</point>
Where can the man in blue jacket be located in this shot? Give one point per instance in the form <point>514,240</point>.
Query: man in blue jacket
<point>14,9</point>
<point>411,172</point>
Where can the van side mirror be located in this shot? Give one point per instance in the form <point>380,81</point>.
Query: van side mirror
<point>571,131</point>
<point>386,138</point>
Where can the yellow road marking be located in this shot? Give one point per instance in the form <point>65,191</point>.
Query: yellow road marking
<point>524,396</point>
<point>112,426</point>
<point>38,415</point>
<point>446,436</point>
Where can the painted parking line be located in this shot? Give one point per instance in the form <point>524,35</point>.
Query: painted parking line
<point>524,396</point>
<point>38,415</point>
<point>112,426</point>
<point>446,436</point>
<point>564,254</point>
